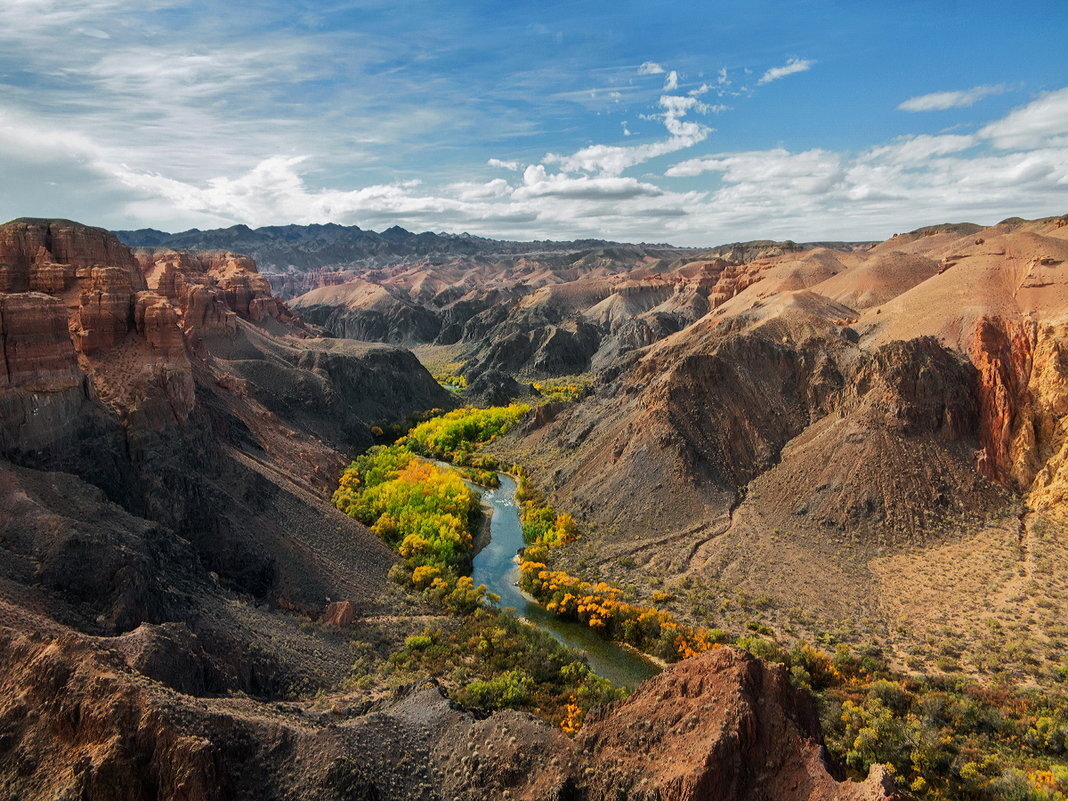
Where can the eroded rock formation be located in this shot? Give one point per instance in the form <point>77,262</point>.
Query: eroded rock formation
<point>41,386</point>
<point>1023,368</point>
<point>84,722</point>
<point>723,725</point>
<point>161,447</point>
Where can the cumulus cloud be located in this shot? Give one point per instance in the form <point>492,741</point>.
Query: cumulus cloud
<point>539,183</point>
<point>792,66</point>
<point>650,68</point>
<point>275,191</point>
<point>671,83</point>
<point>809,172</point>
<point>505,165</point>
<point>490,190</point>
<point>940,101</point>
<point>1017,165</point>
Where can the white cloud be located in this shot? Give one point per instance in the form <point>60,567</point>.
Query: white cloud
<point>916,150</point>
<point>192,131</point>
<point>792,66</point>
<point>29,15</point>
<point>810,194</point>
<point>911,181</point>
<point>808,172</point>
<point>1041,122</point>
<point>490,190</point>
<point>614,159</point>
<point>671,83</point>
<point>539,183</point>
<point>940,101</point>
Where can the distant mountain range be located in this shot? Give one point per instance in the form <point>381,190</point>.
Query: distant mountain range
<point>289,248</point>
<point>298,258</point>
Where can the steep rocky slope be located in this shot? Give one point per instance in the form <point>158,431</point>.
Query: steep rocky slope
<point>808,439</point>
<point>168,420</point>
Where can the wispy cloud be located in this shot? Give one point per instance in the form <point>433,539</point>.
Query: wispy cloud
<point>940,101</point>
<point>612,160</point>
<point>671,83</point>
<point>1041,123</point>
<point>792,66</point>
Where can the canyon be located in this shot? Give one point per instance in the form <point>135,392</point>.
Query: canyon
<point>854,443</point>
<point>180,602</point>
<point>765,421</point>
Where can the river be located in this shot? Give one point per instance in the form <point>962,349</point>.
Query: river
<point>495,566</point>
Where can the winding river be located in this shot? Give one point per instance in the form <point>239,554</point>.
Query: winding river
<point>495,566</point>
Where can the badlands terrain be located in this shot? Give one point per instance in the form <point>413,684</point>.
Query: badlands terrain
<point>184,615</point>
<point>854,447</point>
<point>860,442</point>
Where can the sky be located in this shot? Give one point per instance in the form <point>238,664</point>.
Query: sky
<point>694,124</point>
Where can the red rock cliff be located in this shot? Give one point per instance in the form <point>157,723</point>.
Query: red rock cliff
<point>1023,392</point>
<point>41,385</point>
<point>26,245</point>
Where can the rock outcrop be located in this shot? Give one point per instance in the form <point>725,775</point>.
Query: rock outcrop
<point>723,725</point>
<point>106,311</point>
<point>214,288</point>
<point>46,250</point>
<point>1023,394</point>
<point>159,322</point>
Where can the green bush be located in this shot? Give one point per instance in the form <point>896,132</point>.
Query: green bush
<point>417,642</point>
<point>511,689</point>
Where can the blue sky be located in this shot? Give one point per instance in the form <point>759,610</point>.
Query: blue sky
<point>622,120</point>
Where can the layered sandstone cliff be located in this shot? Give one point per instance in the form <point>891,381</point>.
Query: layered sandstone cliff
<point>191,397</point>
<point>41,385</point>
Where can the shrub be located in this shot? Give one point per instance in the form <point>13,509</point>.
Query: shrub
<point>417,642</point>
<point>509,689</point>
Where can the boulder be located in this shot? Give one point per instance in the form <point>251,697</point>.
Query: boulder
<point>339,613</point>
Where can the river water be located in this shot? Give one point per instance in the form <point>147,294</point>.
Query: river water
<point>495,566</point>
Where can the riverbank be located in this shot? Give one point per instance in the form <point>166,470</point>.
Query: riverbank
<point>496,567</point>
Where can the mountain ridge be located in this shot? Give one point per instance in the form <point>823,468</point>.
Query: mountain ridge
<point>329,252</point>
